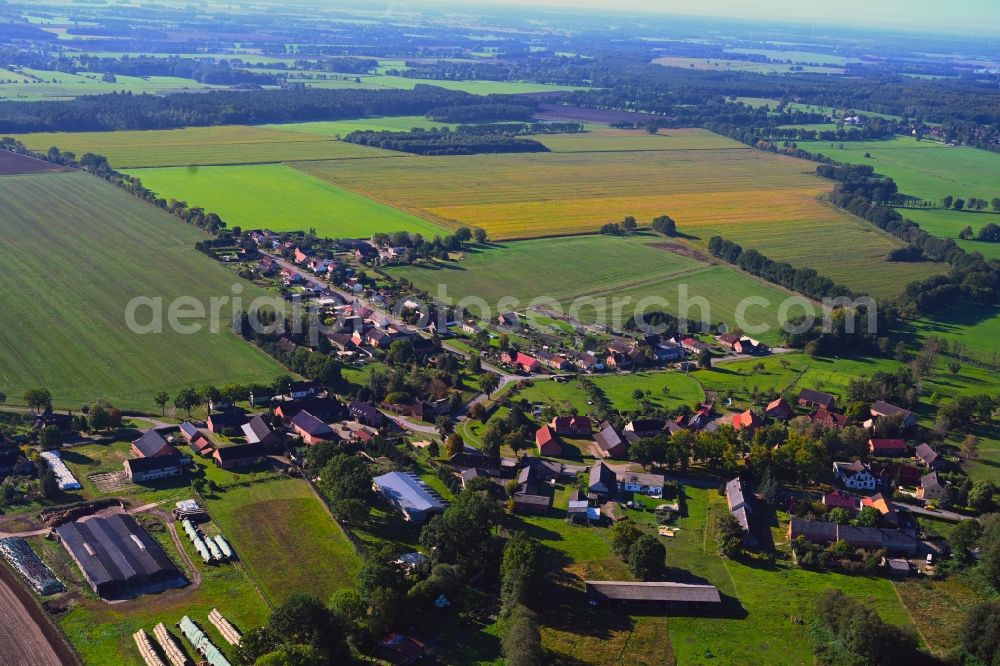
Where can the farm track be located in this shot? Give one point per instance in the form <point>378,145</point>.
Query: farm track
<point>606,289</point>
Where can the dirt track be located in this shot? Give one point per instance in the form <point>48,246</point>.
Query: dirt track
<point>27,638</point>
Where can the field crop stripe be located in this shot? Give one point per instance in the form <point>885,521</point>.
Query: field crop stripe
<point>692,270</point>
<point>263,163</point>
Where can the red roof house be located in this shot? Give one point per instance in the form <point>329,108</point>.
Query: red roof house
<point>746,421</point>
<point>887,447</point>
<point>548,443</point>
<point>572,426</point>
<point>526,363</point>
<point>778,409</point>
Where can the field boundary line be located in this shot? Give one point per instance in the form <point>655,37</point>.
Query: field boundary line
<point>910,615</point>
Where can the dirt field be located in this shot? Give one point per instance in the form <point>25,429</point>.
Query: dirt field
<point>13,164</point>
<point>26,637</point>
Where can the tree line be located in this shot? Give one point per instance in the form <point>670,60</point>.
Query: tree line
<point>122,111</point>
<point>442,141</point>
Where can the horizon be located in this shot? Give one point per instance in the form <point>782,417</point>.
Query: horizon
<point>980,17</point>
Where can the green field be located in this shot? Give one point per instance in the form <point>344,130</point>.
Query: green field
<point>949,223</point>
<point>200,146</point>
<point>275,196</point>
<point>70,269</point>
<point>40,85</point>
<point>925,169</point>
<point>473,87</point>
<point>332,128</point>
<point>764,615</point>
<point>763,201</point>
<point>666,390</point>
<point>596,267</point>
<point>287,539</point>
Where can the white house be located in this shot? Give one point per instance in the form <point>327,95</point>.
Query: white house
<point>642,483</point>
<point>855,475</point>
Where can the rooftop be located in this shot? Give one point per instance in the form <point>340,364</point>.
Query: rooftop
<point>631,591</point>
<point>408,492</point>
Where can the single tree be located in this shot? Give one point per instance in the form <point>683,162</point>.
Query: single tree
<point>489,383</point>
<point>444,425</point>
<point>647,557</point>
<point>454,444</point>
<point>50,438</point>
<point>38,399</point>
<point>187,399</point>
<point>705,359</point>
<point>970,447</point>
<point>161,399</point>
<point>623,535</point>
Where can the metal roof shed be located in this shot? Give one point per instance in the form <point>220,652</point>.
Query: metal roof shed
<point>411,496</point>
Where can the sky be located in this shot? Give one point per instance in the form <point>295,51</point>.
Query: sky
<point>979,17</point>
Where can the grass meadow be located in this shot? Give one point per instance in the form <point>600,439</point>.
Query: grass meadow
<point>70,269</point>
<point>764,201</point>
<point>949,223</point>
<point>200,146</point>
<point>926,169</point>
<point>764,615</point>
<point>598,267</point>
<point>277,197</point>
<point>41,85</point>
<point>290,543</point>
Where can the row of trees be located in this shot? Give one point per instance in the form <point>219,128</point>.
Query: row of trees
<point>972,203</point>
<point>121,111</point>
<point>988,234</point>
<point>442,141</point>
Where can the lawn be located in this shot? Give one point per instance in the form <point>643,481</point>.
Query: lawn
<point>70,270</point>
<point>286,538</point>
<point>200,146</point>
<point>926,169</point>
<point>769,605</point>
<point>949,223</point>
<point>681,389</point>
<point>763,619</point>
<point>765,201</point>
<point>280,198</point>
<point>593,272</point>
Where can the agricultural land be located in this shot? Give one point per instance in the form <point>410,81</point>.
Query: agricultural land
<point>60,247</point>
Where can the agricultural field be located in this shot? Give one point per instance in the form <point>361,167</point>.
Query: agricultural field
<point>41,85</point>
<point>811,57</point>
<point>201,146</point>
<point>597,267</point>
<point>70,271</point>
<point>602,139</point>
<point>474,87</point>
<point>336,128</point>
<point>278,197</point>
<point>736,65</point>
<point>926,169</point>
<point>949,223</point>
<point>765,201</point>
<point>290,543</point>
